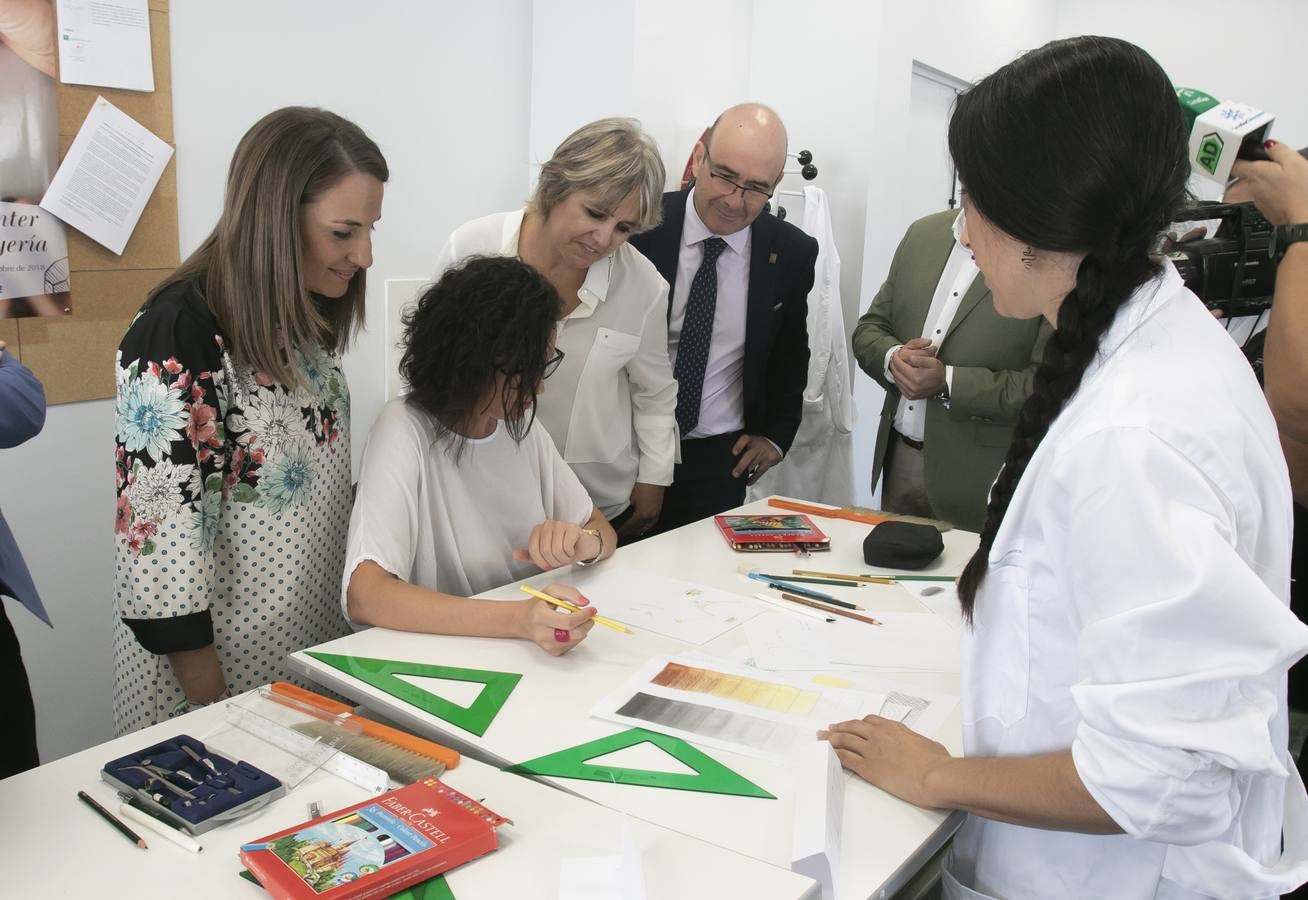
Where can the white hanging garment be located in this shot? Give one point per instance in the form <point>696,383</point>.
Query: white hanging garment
<point>820,464</point>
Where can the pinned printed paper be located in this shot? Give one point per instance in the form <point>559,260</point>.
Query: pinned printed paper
<point>711,776</point>
<point>382,674</point>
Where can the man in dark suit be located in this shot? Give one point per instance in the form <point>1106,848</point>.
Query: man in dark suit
<point>737,311</point>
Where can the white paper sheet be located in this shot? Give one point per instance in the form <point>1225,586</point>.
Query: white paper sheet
<point>906,641</point>
<point>614,877</point>
<point>903,642</point>
<point>675,609</point>
<point>107,176</point>
<point>715,703</point>
<point>105,43</point>
<point>819,815</point>
<point>941,599</point>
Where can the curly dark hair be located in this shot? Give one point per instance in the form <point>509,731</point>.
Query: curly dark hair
<point>1104,176</point>
<point>488,316</point>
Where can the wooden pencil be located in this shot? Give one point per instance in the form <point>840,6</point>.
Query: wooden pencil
<point>112,820</point>
<point>835,611</point>
<point>570,607</point>
<point>865,579</point>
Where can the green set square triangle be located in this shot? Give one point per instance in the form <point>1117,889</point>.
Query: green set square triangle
<point>381,674</point>
<point>711,776</point>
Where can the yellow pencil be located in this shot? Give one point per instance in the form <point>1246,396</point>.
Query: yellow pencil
<point>564,604</point>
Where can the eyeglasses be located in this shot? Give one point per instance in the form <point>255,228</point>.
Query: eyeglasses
<point>552,364</point>
<point>757,195</point>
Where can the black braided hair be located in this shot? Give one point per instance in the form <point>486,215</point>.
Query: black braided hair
<point>489,315</point>
<point>1078,147</point>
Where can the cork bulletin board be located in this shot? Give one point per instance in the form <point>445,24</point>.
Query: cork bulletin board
<point>74,355</point>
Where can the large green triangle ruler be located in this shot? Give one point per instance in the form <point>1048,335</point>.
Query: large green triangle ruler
<point>711,776</point>
<point>381,674</point>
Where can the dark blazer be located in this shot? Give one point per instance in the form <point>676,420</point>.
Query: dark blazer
<point>776,330</point>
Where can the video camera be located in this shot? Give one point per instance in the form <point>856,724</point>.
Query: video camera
<point>1232,270</point>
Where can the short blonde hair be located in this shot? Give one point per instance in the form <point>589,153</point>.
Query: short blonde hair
<point>611,157</point>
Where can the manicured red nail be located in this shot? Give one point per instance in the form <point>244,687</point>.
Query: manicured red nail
<point>1268,144</point>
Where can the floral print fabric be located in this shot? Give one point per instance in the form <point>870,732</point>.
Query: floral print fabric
<point>233,497</point>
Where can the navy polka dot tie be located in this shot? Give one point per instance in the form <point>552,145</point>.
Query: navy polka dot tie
<point>696,333</point>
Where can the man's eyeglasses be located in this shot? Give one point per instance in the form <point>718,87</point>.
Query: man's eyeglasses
<point>758,195</point>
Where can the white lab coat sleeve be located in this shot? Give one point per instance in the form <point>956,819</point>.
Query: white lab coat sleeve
<point>654,396</point>
<point>1182,648</point>
<point>384,524</point>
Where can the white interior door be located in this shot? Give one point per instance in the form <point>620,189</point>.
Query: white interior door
<point>928,171</point>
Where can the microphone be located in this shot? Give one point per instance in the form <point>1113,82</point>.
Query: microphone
<point>1222,132</point>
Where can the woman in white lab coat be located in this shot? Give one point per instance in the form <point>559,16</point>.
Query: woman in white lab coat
<point>1124,674</point>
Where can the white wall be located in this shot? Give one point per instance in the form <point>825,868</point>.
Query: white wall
<point>1251,52</point>
<point>443,89</point>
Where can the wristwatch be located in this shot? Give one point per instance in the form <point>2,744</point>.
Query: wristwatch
<point>1285,235</point>
<point>596,558</point>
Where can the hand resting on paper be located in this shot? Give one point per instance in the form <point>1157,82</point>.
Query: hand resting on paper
<point>887,754</point>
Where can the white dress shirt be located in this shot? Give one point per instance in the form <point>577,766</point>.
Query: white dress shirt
<point>957,276</point>
<point>452,524</point>
<point>610,407</point>
<point>1135,609</point>
<point>722,403</point>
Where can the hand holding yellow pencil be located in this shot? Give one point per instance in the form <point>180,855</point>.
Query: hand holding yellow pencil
<point>570,607</point>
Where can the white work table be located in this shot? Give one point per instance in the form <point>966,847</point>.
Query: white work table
<point>57,847</point>
<point>885,841</point>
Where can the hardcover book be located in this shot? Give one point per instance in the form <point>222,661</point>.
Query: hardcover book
<point>377,847</point>
<point>775,533</point>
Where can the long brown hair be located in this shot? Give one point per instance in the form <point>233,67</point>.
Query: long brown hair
<point>249,268</point>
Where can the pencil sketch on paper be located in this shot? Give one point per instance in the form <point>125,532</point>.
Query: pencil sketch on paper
<point>676,609</point>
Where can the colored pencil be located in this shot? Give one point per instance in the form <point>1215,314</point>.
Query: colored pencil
<point>112,820</point>
<point>878,579</point>
<point>806,580</point>
<point>564,604</point>
<point>790,609</point>
<point>835,612</point>
<point>783,586</point>
<point>141,817</point>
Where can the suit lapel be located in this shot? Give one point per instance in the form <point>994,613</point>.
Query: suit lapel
<point>764,250</point>
<point>931,265</point>
<point>665,241</point>
<point>975,294</point>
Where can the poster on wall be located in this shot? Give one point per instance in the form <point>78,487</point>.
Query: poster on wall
<point>34,278</point>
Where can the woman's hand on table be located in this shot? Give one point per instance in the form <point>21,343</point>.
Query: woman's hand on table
<point>887,754</point>
<point>553,629</point>
<point>553,544</point>
<point>646,504</point>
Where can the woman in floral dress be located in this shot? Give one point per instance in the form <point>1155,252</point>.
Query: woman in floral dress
<point>233,426</point>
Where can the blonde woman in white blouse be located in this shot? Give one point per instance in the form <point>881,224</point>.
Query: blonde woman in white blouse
<point>610,406</point>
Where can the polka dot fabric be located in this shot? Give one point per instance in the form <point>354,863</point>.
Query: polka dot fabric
<point>696,334</point>
<point>271,576</point>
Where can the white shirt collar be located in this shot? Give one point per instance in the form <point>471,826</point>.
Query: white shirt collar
<point>694,230</point>
<point>593,290</point>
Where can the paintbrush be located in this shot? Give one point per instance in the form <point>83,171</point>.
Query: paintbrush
<point>405,757</point>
